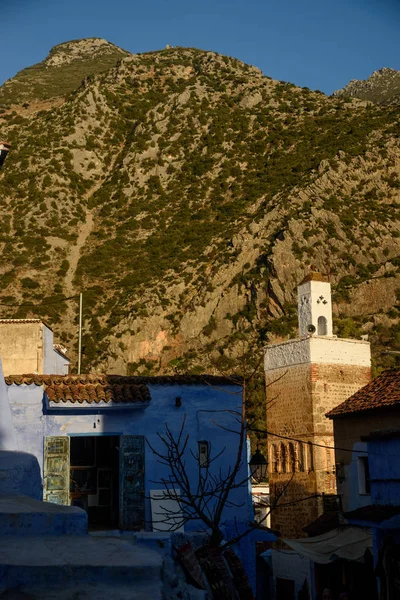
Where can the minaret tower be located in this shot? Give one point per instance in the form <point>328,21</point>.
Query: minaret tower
<point>305,378</point>
<point>315,306</point>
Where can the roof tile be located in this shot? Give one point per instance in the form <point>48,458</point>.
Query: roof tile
<point>382,392</point>
<point>20,321</point>
<point>23,321</point>
<point>95,388</point>
<point>87,388</point>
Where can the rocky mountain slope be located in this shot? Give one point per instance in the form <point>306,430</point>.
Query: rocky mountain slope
<point>382,87</point>
<point>61,72</point>
<point>186,194</point>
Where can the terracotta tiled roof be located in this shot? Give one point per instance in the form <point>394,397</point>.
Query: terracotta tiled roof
<point>106,388</point>
<point>382,392</point>
<point>21,321</point>
<point>373,512</point>
<point>87,388</point>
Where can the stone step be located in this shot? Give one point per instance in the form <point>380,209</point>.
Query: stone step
<point>154,540</point>
<point>87,591</point>
<point>59,560</point>
<point>25,516</point>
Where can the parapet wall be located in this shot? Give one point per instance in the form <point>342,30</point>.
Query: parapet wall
<point>317,349</point>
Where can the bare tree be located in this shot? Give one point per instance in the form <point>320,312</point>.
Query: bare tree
<point>205,498</point>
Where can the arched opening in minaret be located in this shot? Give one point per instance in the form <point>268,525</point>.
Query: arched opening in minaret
<point>310,457</point>
<point>283,458</point>
<point>291,458</point>
<point>322,326</point>
<point>273,459</point>
<point>300,456</point>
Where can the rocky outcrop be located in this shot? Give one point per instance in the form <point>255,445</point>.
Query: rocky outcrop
<point>382,87</point>
<point>61,72</point>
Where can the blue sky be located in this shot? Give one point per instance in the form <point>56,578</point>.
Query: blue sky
<point>311,43</point>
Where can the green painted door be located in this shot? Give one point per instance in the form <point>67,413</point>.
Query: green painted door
<point>56,470</point>
<point>132,492</point>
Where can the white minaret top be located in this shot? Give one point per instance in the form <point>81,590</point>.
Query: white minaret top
<point>315,306</point>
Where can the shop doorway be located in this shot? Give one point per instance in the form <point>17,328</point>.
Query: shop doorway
<point>103,474</point>
<point>94,478</point>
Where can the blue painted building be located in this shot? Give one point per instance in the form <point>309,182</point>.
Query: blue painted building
<point>382,515</point>
<point>367,440</point>
<point>92,435</point>
<point>384,466</point>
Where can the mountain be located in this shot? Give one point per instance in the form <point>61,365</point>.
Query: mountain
<point>186,194</point>
<point>61,72</point>
<point>382,87</point>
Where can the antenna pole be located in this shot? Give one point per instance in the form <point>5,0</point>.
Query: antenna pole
<point>80,334</point>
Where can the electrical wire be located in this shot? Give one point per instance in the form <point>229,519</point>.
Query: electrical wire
<point>292,439</point>
<point>351,450</point>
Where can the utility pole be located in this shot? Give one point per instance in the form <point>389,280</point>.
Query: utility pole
<point>80,334</point>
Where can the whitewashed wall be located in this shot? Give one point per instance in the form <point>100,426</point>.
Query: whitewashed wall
<point>317,350</point>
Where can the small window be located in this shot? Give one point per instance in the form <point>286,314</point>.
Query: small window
<point>291,458</point>
<point>310,457</point>
<point>273,459</point>
<point>204,454</point>
<point>322,326</point>
<point>283,466</point>
<point>364,486</point>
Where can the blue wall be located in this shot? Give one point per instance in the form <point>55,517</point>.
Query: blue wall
<point>201,404</point>
<point>384,467</point>
<point>350,487</point>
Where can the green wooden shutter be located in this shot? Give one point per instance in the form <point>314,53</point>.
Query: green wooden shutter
<point>132,495</point>
<point>56,470</point>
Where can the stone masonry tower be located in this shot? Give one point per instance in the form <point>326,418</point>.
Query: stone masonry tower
<point>305,378</point>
